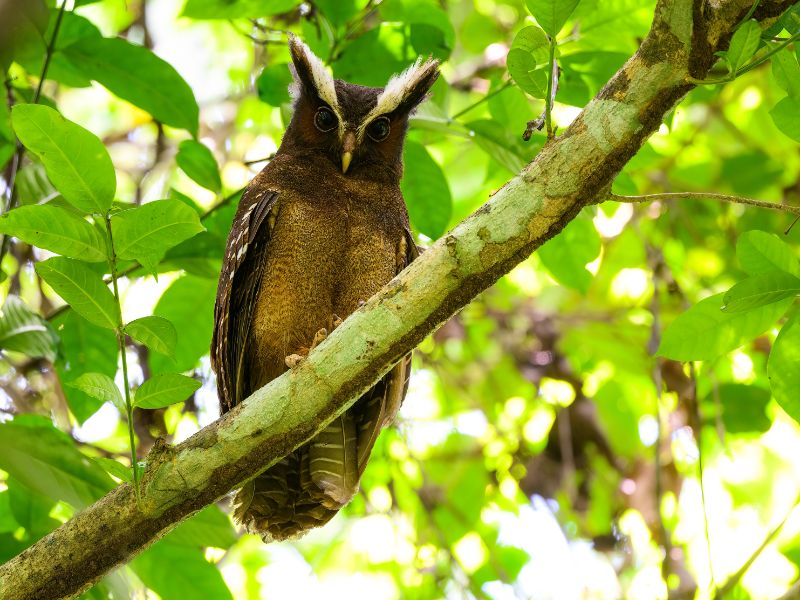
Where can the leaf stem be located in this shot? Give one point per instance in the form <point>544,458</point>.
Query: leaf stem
<point>480,101</point>
<point>749,14</point>
<point>749,66</point>
<point>736,577</point>
<point>549,98</point>
<point>795,210</point>
<point>112,261</point>
<point>48,55</point>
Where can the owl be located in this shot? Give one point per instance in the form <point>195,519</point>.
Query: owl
<point>321,229</point>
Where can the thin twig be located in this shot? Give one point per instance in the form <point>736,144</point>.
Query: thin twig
<point>736,577</point>
<point>483,99</point>
<point>259,160</point>
<point>112,263</point>
<point>795,210</point>
<point>793,593</point>
<point>253,38</point>
<point>749,13</point>
<point>549,99</point>
<point>539,122</point>
<point>697,427</point>
<point>749,66</point>
<point>350,29</point>
<point>652,348</point>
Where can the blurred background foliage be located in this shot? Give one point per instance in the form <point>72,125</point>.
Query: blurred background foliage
<point>543,451</point>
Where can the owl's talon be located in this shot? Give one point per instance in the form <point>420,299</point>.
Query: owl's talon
<point>319,337</point>
<point>337,320</point>
<point>293,360</point>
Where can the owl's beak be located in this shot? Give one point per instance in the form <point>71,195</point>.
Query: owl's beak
<point>348,146</point>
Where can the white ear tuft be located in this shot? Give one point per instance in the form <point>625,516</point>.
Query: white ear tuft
<point>400,85</point>
<point>321,78</point>
<point>407,88</point>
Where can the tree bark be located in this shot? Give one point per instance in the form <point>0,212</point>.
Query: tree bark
<point>570,172</point>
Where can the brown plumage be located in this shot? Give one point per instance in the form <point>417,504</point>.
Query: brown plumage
<point>320,230</point>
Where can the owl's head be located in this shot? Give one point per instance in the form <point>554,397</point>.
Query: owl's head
<point>360,129</point>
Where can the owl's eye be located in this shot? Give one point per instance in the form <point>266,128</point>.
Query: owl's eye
<point>324,120</point>
<point>378,130</point>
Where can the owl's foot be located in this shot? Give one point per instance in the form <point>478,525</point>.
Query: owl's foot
<point>336,320</point>
<point>319,337</point>
<point>293,360</point>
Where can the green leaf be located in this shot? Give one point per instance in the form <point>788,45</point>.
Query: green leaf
<point>7,150</point>
<point>84,347</point>
<point>786,116</point>
<point>426,191</point>
<point>761,252</point>
<point>744,408</point>
<point>81,288</point>
<point>101,387</point>
<point>146,232</point>
<point>418,13</point>
<point>500,144</point>
<point>786,72</point>
<point>197,161</point>
<point>743,44</point>
<point>705,332</point>
<point>31,509</point>
<point>567,254</point>
<point>6,133</point>
<point>55,229</point>
<point>75,159</point>
<point>164,390</point>
<point>45,460</point>
<point>337,12</point>
<point>376,55</point>
<point>22,23</point>
<point>209,527</point>
<point>137,75</point>
<point>783,368</point>
<point>23,330</point>
<point>760,290</point>
<point>33,187</point>
<point>273,84</point>
<point>157,333</point>
<point>10,546</point>
<point>60,68</point>
<point>529,53</point>
<point>115,468</point>
<point>196,577</point>
<point>551,14</point>
<point>523,68</point>
<point>7,521</point>
<point>233,9</point>
<point>189,305</point>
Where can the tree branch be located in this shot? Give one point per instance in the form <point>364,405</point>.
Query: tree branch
<point>795,210</point>
<point>569,173</point>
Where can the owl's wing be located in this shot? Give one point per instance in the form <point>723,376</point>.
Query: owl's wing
<point>242,268</point>
<point>381,403</point>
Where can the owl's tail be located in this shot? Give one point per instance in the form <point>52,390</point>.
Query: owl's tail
<point>305,489</point>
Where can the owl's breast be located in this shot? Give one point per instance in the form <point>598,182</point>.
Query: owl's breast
<point>325,256</point>
<point>304,254</point>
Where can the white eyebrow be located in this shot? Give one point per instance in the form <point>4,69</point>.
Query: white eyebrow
<point>396,91</point>
<point>323,80</point>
